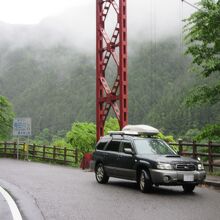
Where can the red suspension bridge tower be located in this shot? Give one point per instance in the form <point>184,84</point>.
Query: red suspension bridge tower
<point>111,46</point>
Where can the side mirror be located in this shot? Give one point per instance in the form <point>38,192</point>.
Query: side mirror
<point>128,151</point>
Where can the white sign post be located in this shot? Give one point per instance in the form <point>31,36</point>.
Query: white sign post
<point>21,128</point>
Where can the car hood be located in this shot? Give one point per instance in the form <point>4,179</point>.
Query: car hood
<point>167,158</point>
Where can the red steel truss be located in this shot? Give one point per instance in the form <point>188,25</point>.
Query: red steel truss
<point>111,47</point>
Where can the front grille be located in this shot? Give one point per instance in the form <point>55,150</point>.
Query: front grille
<point>185,167</point>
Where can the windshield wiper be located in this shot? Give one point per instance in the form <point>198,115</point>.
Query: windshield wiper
<point>170,155</point>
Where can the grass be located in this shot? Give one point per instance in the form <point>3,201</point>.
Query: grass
<point>215,173</point>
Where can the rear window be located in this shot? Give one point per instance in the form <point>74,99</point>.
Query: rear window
<point>101,145</point>
<point>113,146</point>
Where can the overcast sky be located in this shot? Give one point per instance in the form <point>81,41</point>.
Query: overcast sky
<point>74,21</point>
<point>33,11</point>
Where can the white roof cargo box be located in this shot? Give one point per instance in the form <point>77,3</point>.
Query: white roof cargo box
<point>141,129</point>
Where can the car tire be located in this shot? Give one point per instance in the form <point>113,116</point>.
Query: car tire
<point>188,188</point>
<point>100,174</point>
<point>144,181</point>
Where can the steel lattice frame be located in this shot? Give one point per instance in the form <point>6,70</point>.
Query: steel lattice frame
<point>115,47</point>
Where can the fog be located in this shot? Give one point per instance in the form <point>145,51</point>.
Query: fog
<point>147,20</point>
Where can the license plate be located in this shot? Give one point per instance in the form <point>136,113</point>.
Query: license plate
<point>188,178</point>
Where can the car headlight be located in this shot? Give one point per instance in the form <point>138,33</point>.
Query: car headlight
<point>200,166</point>
<point>164,166</point>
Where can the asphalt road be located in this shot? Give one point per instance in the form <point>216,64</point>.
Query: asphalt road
<point>45,191</point>
<point>4,209</point>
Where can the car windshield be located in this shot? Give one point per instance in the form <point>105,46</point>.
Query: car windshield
<point>153,146</point>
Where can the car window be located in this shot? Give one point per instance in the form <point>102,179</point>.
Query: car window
<point>113,146</point>
<point>126,145</point>
<point>101,145</point>
<point>153,146</point>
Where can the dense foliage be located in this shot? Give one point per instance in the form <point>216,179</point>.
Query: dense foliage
<point>6,118</point>
<point>82,136</point>
<point>209,133</point>
<point>203,41</point>
<point>159,83</point>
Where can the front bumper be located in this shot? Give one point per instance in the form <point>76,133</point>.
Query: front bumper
<point>174,177</point>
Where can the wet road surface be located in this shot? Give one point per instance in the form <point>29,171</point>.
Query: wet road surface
<point>5,212</point>
<point>53,192</point>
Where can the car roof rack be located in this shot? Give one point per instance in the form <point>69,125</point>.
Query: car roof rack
<point>131,133</point>
<point>136,130</point>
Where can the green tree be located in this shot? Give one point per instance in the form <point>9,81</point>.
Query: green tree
<point>83,134</point>
<point>111,125</point>
<point>203,41</point>
<point>44,137</point>
<point>209,133</point>
<point>61,143</point>
<point>6,118</point>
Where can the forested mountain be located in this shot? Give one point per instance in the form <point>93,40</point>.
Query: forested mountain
<point>160,80</point>
<point>55,85</point>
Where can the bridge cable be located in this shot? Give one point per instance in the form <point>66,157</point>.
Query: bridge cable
<point>181,26</point>
<point>151,49</point>
<point>190,4</point>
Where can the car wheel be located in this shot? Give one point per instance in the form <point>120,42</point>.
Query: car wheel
<point>144,182</point>
<point>188,188</point>
<point>100,174</point>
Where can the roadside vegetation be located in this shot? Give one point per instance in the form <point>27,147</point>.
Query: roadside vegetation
<point>6,118</point>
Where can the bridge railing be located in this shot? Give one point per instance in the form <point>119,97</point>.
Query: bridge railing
<point>209,152</point>
<point>55,154</point>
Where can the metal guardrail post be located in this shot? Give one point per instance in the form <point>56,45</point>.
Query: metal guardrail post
<point>194,150</point>
<point>44,148</point>
<point>210,157</point>
<point>17,148</point>
<point>76,155</point>
<point>180,143</point>
<point>64,156</point>
<point>34,150</point>
<point>5,148</point>
<point>54,153</point>
<point>14,150</point>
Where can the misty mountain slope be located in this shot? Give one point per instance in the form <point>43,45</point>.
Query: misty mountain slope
<point>159,81</point>
<point>154,70</point>
<point>50,85</point>
<point>55,86</point>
